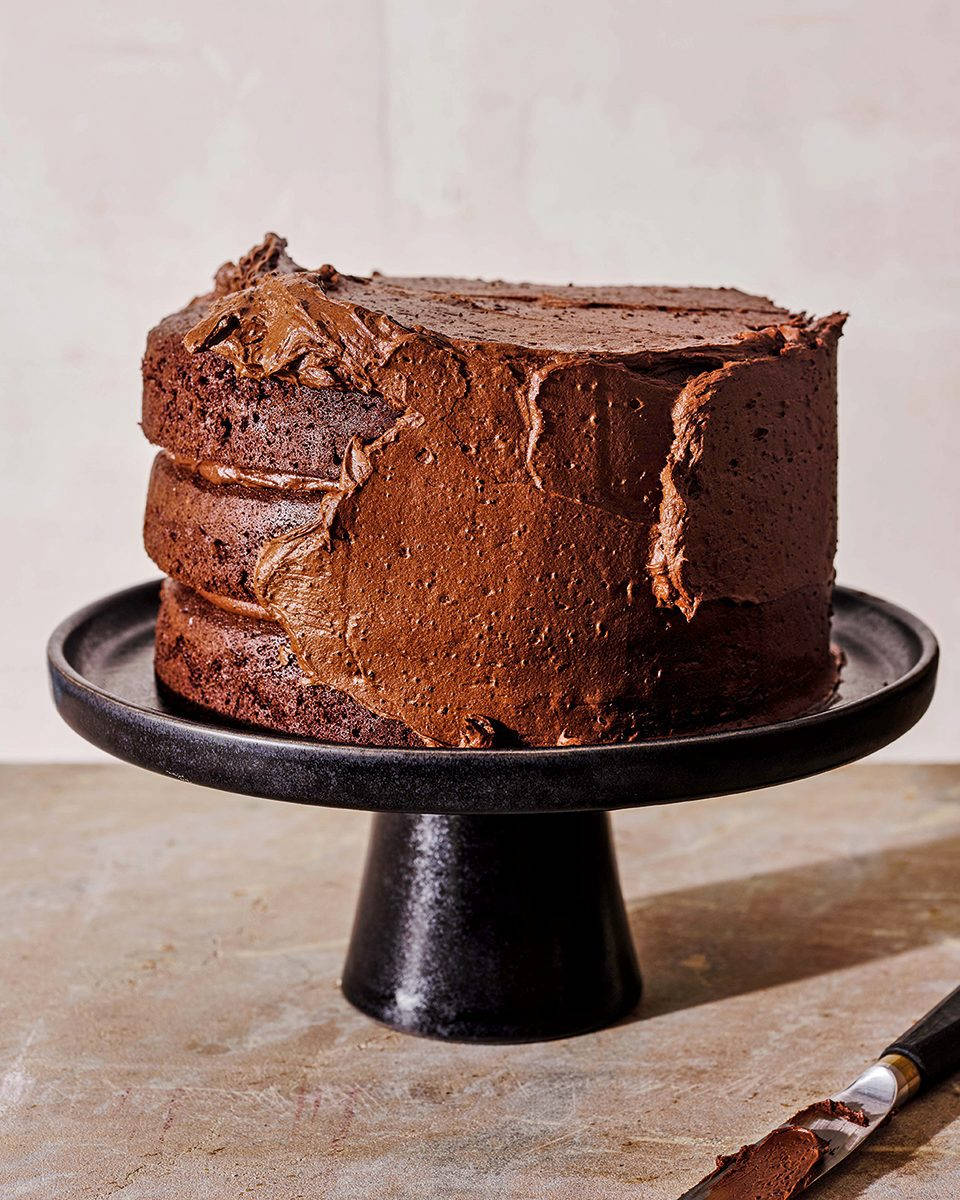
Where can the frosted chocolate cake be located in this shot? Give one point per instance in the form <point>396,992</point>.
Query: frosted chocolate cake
<point>448,512</point>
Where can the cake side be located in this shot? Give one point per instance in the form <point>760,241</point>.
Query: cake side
<point>243,668</point>
<point>208,534</point>
<point>527,541</point>
<point>198,407</point>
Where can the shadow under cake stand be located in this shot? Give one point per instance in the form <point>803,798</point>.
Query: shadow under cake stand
<point>490,908</point>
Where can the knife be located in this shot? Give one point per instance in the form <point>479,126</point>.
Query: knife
<point>803,1149</point>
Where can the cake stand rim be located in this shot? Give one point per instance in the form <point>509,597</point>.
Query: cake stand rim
<point>72,690</point>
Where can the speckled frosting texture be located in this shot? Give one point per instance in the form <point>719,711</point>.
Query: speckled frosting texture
<point>499,512</point>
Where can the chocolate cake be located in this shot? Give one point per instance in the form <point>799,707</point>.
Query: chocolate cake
<point>449,512</point>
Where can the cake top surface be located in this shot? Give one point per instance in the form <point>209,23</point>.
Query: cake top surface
<point>616,321</point>
<point>612,320</point>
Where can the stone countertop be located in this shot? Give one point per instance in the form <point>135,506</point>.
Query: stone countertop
<point>170,1024</point>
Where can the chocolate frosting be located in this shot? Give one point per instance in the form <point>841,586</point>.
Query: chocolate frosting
<point>222,473</point>
<point>781,1164</point>
<point>776,1168</point>
<point>569,467</point>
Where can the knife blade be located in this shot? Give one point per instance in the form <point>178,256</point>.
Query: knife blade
<point>802,1150</point>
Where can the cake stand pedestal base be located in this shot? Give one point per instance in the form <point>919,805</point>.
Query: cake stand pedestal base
<point>492,928</point>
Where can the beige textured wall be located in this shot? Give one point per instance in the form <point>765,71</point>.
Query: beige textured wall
<point>809,152</point>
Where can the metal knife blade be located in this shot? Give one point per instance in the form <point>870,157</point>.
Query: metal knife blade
<point>875,1094</point>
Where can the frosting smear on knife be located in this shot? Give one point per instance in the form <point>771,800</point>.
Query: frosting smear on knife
<point>781,1164</point>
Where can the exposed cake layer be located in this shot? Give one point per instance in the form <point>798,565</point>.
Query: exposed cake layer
<point>209,535</point>
<point>198,407</point>
<point>572,515</point>
<point>244,669</point>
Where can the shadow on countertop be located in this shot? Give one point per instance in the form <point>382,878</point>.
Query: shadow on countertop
<point>704,944</point>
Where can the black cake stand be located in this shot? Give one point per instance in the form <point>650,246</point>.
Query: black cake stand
<point>490,908</point>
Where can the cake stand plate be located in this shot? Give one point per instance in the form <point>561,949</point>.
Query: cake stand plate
<point>490,908</point>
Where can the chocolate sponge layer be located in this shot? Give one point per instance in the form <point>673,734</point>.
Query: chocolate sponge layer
<point>244,669</point>
<point>198,407</point>
<point>208,536</point>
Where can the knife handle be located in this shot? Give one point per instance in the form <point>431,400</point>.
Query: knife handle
<point>933,1044</point>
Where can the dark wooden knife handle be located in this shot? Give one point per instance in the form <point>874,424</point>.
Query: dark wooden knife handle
<point>933,1044</point>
